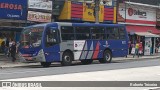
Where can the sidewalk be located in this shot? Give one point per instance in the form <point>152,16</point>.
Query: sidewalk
<point>6,62</point>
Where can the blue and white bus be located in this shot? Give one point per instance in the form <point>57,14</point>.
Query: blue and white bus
<point>66,42</point>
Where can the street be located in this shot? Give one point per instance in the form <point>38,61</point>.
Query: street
<point>56,69</point>
<point>137,70</point>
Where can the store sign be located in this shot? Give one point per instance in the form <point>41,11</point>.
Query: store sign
<point>16,10</point>
<point>39,16</point>
<point>135,14</point>
<point>141,14</point>
<point>148,46</point>
<point>40,4</point>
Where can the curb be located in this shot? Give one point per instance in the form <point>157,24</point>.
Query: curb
<point>18,65</point>
<point>135,59</point>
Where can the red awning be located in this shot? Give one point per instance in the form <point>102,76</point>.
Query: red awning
<point>132,28</point>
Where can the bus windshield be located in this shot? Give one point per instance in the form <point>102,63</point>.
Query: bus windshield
<point>31,37</point>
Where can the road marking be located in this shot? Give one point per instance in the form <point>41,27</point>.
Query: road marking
<point>22,72</point>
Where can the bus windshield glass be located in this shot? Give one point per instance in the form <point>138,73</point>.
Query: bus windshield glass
<point>31,37</point>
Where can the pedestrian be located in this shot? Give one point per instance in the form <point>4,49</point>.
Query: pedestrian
<point>13,51</point>
<point>130,47</point>
<point>9,48</point>
<point>140,48</point>
<point>136,49</point>
<point>157,47</point>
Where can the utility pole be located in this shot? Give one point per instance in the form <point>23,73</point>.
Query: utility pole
<point>97,2</point>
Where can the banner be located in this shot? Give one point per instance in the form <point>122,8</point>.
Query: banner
<point>40,4</point>
<point>16,9</point>
<point>39,16</point>
<point>26,84</point>
<point>148,46</point>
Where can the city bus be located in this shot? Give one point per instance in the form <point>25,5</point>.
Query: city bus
<point>66,42</point>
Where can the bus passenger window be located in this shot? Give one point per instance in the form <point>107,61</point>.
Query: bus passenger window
<point>67,33</point>
<point>122,33</point>
<point>112,33</point>
<point>98,33</point>
<point>82,33</point>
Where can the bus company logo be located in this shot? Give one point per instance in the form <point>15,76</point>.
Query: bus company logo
<point>6,84</point>
<point>76,45</point>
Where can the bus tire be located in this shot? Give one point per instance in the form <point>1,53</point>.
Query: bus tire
<point>67,59</point>
<point>107,57</point>
<point>45,64</point>
<point>88,61</point>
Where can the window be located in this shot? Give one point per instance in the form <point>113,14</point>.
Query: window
<point>52,37</point>
<point>82,33</point>
<point>112,33</point>
<point>67,33</point>
<point>122,33</point>
<point>98,33</point>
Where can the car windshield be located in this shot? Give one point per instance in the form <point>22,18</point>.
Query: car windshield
<point>31,37</point>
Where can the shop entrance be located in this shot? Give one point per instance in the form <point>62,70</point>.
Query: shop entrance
<point>7,33</point>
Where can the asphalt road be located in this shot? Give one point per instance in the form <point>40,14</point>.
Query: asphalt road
<point>56,69</point>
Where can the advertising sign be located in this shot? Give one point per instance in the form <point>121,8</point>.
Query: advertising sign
<point>158,17</point>
<point>137,14</point>
<point>40,4</point>
<point>39,16</point>
<point>16,9</point>
<point>148,46</point>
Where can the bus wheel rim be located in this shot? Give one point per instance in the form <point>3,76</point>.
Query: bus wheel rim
<point>107,57</point>
<point>67,58</point>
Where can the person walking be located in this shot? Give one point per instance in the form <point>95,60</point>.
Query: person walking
<point>140,49</point>
<point>157,47</point>
<point>13,51</point>
<point>136,50</point>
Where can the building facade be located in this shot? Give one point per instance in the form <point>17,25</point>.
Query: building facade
<point>140,21</point>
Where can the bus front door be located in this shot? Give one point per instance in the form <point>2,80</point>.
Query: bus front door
<point>51,46</point>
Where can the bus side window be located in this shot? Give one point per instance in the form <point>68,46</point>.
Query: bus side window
<point>112,33</point>
<point>67,33</point>
<point>98,33</point>
<point>122,33</point>
<point>82,33</point>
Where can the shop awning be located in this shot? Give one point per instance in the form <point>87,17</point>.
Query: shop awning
<point>133,29</point>
<point>146,34</point>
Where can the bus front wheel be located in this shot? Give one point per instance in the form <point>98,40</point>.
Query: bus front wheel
<point>45,64</point>
<point>67,59</point>
<point>107,57</point>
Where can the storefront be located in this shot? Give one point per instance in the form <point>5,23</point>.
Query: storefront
<point>140,20</point>
<point>13,17</point>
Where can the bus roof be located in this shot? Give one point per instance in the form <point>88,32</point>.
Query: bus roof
<point>94,24</point>
<point>75,24</point>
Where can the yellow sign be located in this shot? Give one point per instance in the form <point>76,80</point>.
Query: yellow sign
<point>88,12</point>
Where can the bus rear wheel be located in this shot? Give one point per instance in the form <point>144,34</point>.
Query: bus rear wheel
<point>107,57</point>
<point>88,61</point>
<point>45,64</point>
<point>67,59</point>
